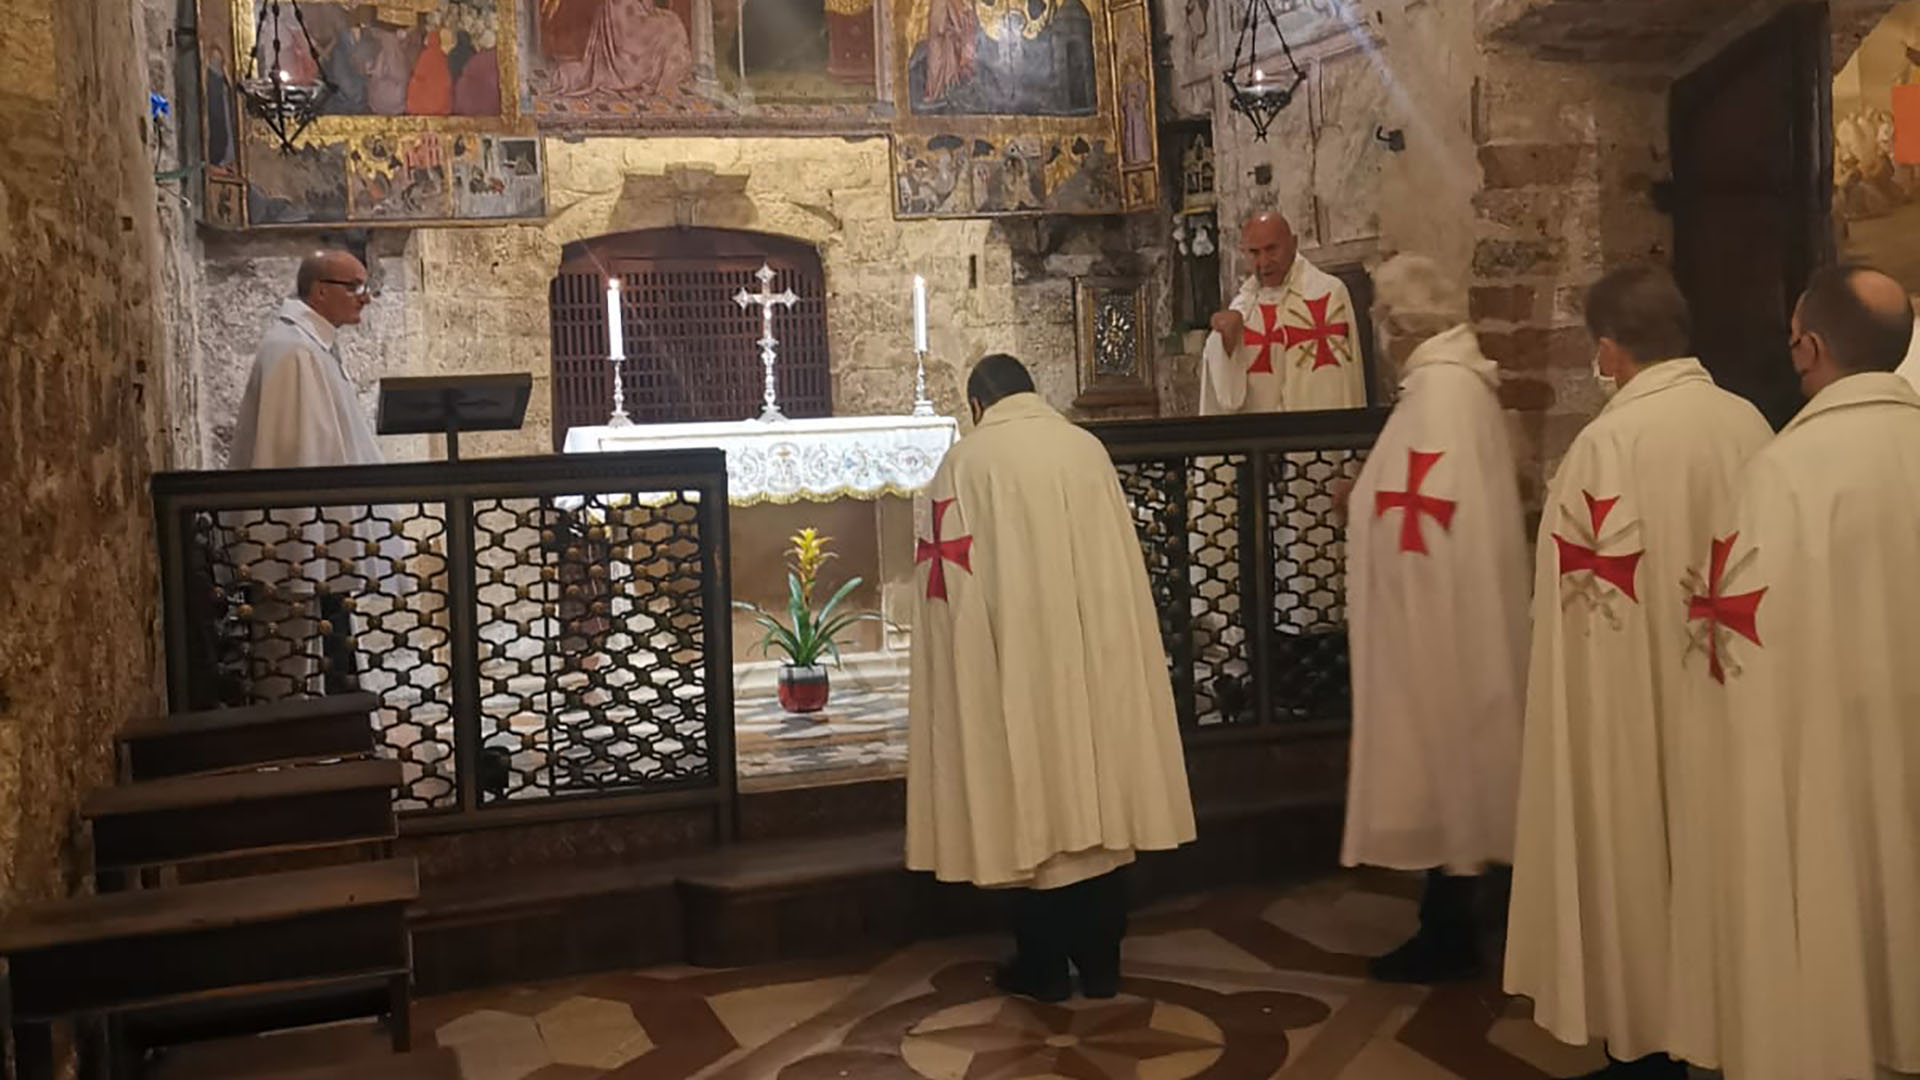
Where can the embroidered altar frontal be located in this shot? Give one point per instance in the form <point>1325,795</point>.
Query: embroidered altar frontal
<point>862,457</point>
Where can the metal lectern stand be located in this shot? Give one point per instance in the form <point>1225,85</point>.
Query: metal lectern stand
<point>449,404</point>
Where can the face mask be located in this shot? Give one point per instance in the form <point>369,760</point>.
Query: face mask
<point>1607,383</point>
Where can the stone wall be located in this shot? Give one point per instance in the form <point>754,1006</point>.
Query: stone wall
<point>475,299</point>
<point>1523,178</point>
<point>80,402</point>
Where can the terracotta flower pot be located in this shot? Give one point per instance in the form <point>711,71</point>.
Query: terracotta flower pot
<point>803,690</point>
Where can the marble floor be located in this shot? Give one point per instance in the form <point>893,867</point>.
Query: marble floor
<point>1237,985</point>
<point>860,735</point>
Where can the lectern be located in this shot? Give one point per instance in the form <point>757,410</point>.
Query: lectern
<point>449,404</point>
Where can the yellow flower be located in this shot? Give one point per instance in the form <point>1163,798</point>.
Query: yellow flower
<point>809,552</point>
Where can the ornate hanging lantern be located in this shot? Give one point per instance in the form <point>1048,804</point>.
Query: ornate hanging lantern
<point>284,101</point>
<point>1254,92</point>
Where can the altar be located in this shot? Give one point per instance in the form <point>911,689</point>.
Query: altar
<point>855,479</point>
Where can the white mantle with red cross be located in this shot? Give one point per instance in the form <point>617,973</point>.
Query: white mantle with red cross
<point>854,457</point>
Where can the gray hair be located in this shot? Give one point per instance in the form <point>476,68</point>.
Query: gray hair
<point>1417,295</point>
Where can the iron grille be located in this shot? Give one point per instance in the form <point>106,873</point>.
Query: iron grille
<point>528,640</point>
<point>692,353</point>
<point>1250,591</point>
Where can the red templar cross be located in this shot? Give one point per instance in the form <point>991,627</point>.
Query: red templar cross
<point>1722,612</point>
<point>1419,464</point>
<point>958,551</point>
<point>1322,334</point>
<point>1616,570</point>
<point>1266,339</point>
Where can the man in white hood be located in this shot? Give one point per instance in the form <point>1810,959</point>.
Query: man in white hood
<point>1437,616</point>
<point>1289,341</point>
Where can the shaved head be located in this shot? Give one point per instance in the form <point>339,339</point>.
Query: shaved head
<point>1267,241</point>
<point>1851,320</point>
<point>333,283</point>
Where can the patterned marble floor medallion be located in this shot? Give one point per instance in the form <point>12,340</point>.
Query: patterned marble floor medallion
<point>1156,1030</point>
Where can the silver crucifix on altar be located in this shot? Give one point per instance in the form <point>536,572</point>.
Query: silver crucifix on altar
<point>767,298</point>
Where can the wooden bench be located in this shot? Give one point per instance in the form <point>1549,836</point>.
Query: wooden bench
<point>189,818</point>
<point>279,732</point>
<point>225,941</point>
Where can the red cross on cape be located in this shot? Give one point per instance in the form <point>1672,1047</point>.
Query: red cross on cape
<point>940,552</point>
<point>1722,614</point>
<point>1266,338</point>
<point>1413,503</point>
<point>1320,332</point>
<point>1616,570</point>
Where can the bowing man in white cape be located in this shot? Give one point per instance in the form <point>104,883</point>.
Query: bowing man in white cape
<point>1806,610</point>
<point>301,410</point>
<point>1289,341</point>
<point>1437,615</point>
<point>1043,748</point>
<point>1612,924</point>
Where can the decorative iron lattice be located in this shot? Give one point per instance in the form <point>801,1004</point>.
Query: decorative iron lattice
<point>1217,559</point>
<point>692,353</point>
<point>591,623</point>
<point>525,644</point>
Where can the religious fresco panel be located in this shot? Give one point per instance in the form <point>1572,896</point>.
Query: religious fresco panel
<point>1021,107</point>
<point>704,66</point>
<point>422,92</point>
<point>1876,148</point>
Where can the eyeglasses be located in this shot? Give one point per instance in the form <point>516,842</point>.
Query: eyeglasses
<point>357,288</point>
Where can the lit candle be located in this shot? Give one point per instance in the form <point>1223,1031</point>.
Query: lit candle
<point>616,334</point>
<point>919,314</point>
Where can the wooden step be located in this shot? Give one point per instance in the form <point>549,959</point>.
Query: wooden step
<point>295,729</point>
<point>123,950</point>
<point>185,818</point>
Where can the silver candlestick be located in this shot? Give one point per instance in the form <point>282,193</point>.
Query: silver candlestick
<point>619,417</point>
<point>922,406</point>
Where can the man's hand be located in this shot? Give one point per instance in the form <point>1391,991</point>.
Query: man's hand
<point>1229,325</point>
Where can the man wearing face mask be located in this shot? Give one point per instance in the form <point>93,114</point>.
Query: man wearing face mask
<point>1805,610</point>
<point>1437,614</point>
<point>1289,341</point>
<point>1611,928</point>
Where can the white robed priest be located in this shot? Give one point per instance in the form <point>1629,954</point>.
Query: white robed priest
<point>1437,610</point>
<point>301,410</point>
<point>1289,341</point>
<point>1910,367</point>
<point>1043,748</point>
<point>1806,609</point>
<point>1612,925</point>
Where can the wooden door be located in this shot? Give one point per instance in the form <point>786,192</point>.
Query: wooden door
<point>1752,179</point>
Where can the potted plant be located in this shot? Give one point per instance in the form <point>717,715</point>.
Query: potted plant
<point>809,636</point>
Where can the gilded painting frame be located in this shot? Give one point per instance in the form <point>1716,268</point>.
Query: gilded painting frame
<point>1114,343</point>
<point>1130,29</point>
<point>227,193</point>
<point>1032,163</point>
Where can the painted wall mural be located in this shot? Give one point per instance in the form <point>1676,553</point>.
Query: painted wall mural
<point>1876,148</point>
<point>422,125</point>
<point>1023,107</point>
<point>995,107</point>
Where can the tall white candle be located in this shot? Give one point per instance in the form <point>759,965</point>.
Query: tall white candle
<point>919,313</point>
<point>616,333</point>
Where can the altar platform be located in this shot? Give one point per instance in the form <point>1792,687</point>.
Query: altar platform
<point>592,775</point>
<point>855,479</point>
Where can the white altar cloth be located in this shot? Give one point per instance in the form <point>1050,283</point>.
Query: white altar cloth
<point>851,457</point>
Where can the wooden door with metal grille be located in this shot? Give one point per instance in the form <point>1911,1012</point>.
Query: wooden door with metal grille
<point>692,353</point>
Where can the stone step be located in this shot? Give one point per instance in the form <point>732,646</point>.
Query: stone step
<point>217,740</point>
<point>794,898</point>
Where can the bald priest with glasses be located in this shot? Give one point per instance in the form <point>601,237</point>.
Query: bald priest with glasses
<point>300,408</point>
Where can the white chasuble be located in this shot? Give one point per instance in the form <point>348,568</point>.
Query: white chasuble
<point>1622,758</point>
<point>1043,746</point>
<point>1805,612</point>
<point>1300,350</point>
<point>300,409</point>
<point>1437,614</point>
